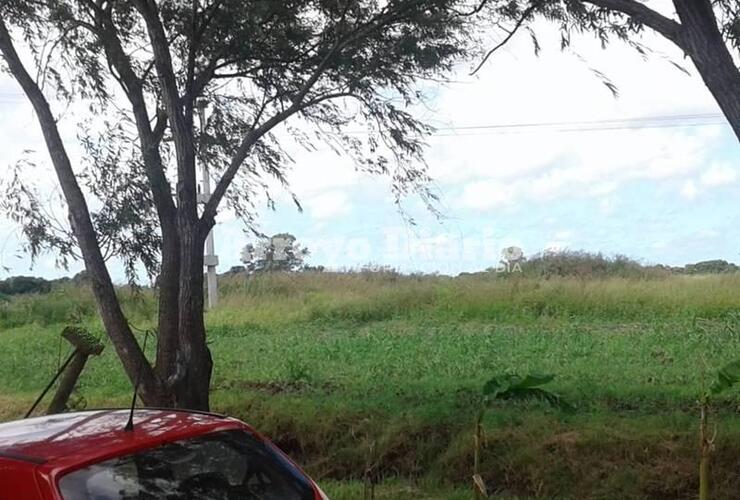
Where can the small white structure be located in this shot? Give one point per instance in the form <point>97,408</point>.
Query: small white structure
<point>511,255</point>
<point>511,259</point>
<point>280,252</point>
<point>281,245</point>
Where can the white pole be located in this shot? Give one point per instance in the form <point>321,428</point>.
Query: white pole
<point>210,259</point>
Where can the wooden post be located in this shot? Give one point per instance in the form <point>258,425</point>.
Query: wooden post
<point>85,345</point>
<point>479,486</point>
<point>705,445</point>
<point>67,384</point>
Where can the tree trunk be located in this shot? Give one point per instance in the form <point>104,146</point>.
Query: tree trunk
<point>186,366</point>
<point>168,318</point>
<point>168,280</point>
<point>194,362</point>
<point>67,384</point>
<point>702,41</point>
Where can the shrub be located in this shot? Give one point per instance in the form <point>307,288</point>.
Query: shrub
<point>18,285</point>
<point>580,264</point>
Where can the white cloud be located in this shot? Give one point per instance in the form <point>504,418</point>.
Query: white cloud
<point>597,167</point>
<point>488,194</point>
<point>319,171</point>
<point>542,164</point>
<point>605,188</point>
<point>689,190</point>
<point>563,235</point>
<point>560,240</point>
<point>719,175</point>
<point>328,205</point>
<point>716,176</point>
<point>608,206</point>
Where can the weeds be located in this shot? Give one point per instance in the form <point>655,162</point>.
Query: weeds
<point>284,298</point>
<point>297,371</point>
<point>726,378</point>
<point>509,387</point>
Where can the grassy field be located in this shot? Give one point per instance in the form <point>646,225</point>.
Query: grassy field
<point>380,372</point>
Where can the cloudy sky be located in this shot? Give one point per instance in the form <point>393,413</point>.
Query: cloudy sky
<point>532,151</point>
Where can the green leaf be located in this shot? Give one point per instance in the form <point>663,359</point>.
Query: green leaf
<point>515,387</point>
<point>503,383</point>
<point>536,379</point>
<point>728,376</point>
<point>498,385</point>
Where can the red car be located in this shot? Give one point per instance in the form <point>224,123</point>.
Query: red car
<point>169,455</point>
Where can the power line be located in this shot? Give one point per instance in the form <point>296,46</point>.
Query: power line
<point>575,128</point>
<point>590,122</point>
<point>660,121</point>
<point>658,118</point>
<point>633,123</point>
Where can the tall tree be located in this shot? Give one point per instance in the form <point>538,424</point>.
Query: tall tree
<point>707,31</point>
<point>315,70</point>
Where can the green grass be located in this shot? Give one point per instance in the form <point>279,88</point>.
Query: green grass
<point>349,370</point>
<point>395,489</point>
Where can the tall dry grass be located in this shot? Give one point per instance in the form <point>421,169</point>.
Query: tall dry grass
<point>367,297</point>
<point>279,298</point>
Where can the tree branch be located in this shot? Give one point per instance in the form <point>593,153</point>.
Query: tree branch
<point>190,95</point>
<point>378,22</point>
<point>327,97</point>
<point>162,58</point>
<point>201,81</point>
<point>472,12</point>
<point>211,207</point>
<point>519,23</point>
<point>644,15</point>
<point>180,124</point>
<point>149,139</point>
<point>160,126</point>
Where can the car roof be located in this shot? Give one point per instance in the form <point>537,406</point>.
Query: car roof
<point>84,437</point>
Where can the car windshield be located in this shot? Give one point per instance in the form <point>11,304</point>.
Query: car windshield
<point>228,465</point>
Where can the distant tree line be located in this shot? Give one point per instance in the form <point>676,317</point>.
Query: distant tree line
<point>20,285</point>
<point>567,263</point>
<point>710,267</point>
<point>576,263</point>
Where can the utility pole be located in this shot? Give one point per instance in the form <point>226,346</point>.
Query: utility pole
<point>210,259</point>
